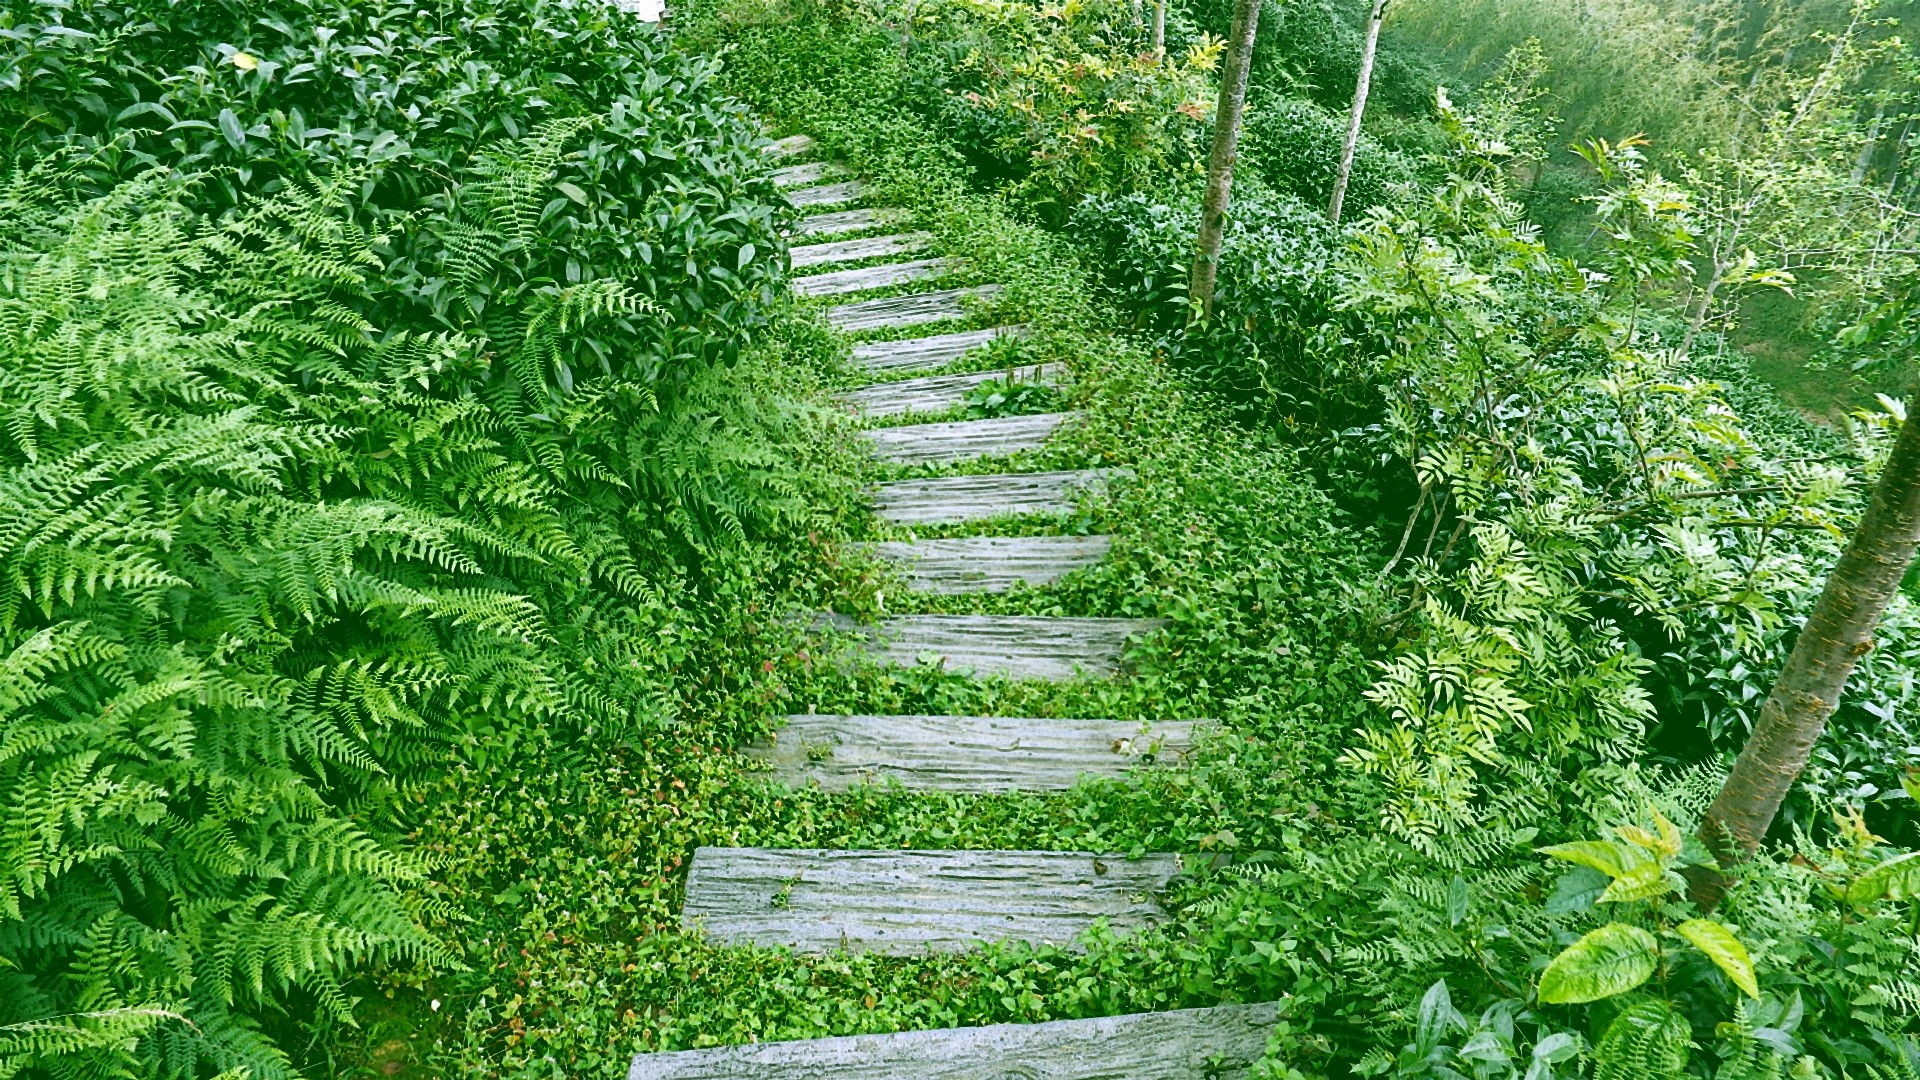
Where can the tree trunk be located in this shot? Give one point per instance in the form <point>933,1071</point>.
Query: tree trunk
<point>1836,635</point>
<point>1159,29</point>
<point>1360,89</point>
<point>1226,149</point>
<point>1697,321</point>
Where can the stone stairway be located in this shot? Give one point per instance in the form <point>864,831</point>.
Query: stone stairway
<point>921,902</point>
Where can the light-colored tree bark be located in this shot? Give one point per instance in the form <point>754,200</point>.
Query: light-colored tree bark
<point>1360,88</point>
<point>1226,150</point>
<point>1159,29</point>
<point>1835,636</point>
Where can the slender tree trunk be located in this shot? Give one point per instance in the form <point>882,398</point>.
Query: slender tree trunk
<point>1159,29</point>
<point>1360,89</point>
<point>1226,149</point>
<point>1702,310</point>
<point>1836,635</point>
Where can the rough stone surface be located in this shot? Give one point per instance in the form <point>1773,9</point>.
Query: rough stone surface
<point>865,247</point>
<point>962,440</point>
<point>810,173</point>
<point>846,221</point>
<point>1220,1043</point>
<point>791,146</point>
<point>927,352</point>
<point>965,753</point>
<point>992,563</point>
<point>863,278</point>
<point>827,194</point>
<point>917,901</point>
<point>908,310</point>
<point>938,393</point>
<point>1016,646</point>
<point>969,498</point>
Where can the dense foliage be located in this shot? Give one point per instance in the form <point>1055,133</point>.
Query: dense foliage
<point>359,383</point>
<point>408,470</point>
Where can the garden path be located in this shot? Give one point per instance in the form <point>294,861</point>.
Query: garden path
<point>914,902</point>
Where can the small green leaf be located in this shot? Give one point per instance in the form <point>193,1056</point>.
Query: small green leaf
<point>1896,879</point>
<point>572,191</point>
<point>1647,881</point>
<point>1724,950</point>
<point>230,127</point>
<point>1612,960</point>
<point>1667,842</point>
<point>747,252</point>
<point>1459,898</point>
<point>1577,890</point>
<point>1605,856</point>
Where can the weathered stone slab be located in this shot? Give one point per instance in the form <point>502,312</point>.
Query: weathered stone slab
<point>992,563</point>
<point>846,221</point>
<point>791,146</point>
<point>938,393</point>
<point>908,310</point>
<point>1220,1043</point>
<point>828,194</point>
<point>963,440</point>
<point>927,352</point>
<point>905,902</point>
<point>969,498</point>
<point>1017,646</point>
<point>811,172</point>
<point>863,278</point>
<point>965,753</point>
<point>865,247</point>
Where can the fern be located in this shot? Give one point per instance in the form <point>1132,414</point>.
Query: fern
<point>1647,1041</point>
<point>200,633</point>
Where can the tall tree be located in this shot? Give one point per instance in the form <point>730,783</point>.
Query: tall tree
<point>1226,150</point>
<point>1836,635</point>
<point>1360,88</point>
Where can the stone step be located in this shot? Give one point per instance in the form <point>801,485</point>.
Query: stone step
<point>950,499</point>
<point>828,194</point>
<point>811,172</point>
<point>963,440</point>
<point>863,278</point>
<point>992,563</point>
<point>1220,1043</point>
<point>791,146</point>
<point>908,310</point>
<point>1045,647</point>
<point>928,352</point>
<point>938,393</point>
<point>906,902</point>
<point>846,221</point>
<point>976,754</point>
<point>865,247</point>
